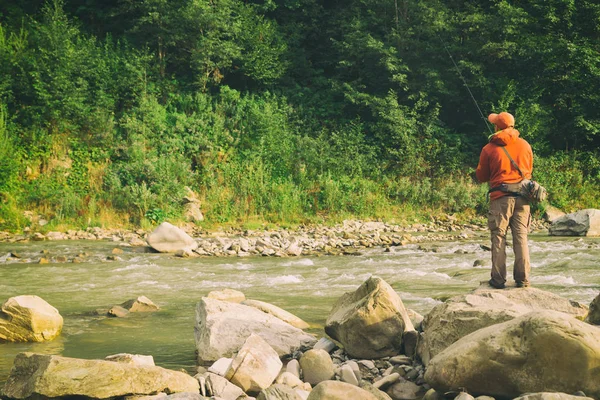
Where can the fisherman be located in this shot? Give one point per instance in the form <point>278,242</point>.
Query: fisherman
<point>507,159</point>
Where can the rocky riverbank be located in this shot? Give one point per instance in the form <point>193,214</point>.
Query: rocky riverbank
<point>520,343</point>
<point>348,237</point>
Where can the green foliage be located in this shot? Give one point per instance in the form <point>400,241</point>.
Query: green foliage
<point>284,110</point>
<point>572,179</point>
<point>9,159</point>
<point>155,215</point>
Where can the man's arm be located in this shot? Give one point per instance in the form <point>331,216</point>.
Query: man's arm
<point>483,168</point>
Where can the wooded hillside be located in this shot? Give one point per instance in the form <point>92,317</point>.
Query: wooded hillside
<point>285,110</point>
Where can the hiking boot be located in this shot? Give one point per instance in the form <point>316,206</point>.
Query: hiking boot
<point>496,285</point>
<point>522,284</point>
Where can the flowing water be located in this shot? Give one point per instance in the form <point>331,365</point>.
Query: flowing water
<point>424,275</point>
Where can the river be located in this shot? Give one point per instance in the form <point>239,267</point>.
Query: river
<point>423,274</point>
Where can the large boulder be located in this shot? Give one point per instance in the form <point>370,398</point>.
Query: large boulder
<point>543,351</point>
<point>168,238</point>
<point>29,319</point>
<point>223,327</point>
<point>370,321</point>
<point>593,316</point>
<point>336,390</point>
<point>580,223</point>
<point>317,366</point>
<point>43,376</point>
<point>464,314</point>
<point>255,367</point>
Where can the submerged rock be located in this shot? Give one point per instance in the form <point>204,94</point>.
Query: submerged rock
<point>140,304</point>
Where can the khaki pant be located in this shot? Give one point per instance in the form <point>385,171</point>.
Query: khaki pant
<point>514,212</point>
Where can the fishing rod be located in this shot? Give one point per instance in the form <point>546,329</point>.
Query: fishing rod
<point>465,83</point>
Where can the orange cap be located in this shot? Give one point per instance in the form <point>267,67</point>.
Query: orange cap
<point>502,120</point>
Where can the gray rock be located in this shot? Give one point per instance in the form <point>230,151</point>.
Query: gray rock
<point>223,327</point>
<point>580,223</point>
<point>167,238</point>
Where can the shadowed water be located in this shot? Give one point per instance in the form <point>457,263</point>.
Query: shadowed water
<point>423,275</point>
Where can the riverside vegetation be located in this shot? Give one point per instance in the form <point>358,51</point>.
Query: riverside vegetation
<point>286,112</point>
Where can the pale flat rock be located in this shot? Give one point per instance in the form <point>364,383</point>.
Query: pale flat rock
<point>223,327</point>
<point>255,367</point>
<point>537,352</point>
<point>464,314</point>
<point>29,319</point>
<point>220,366</point>
<point>220,387</point>
<point>277,312</point>
<point>167,238</point>
<point>40,375</point>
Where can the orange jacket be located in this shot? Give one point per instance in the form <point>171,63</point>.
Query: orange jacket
<point>495,166</point>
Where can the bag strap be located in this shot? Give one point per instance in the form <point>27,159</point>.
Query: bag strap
<point>512,161</point>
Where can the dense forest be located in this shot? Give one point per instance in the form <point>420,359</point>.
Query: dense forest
<point>288,111</point>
